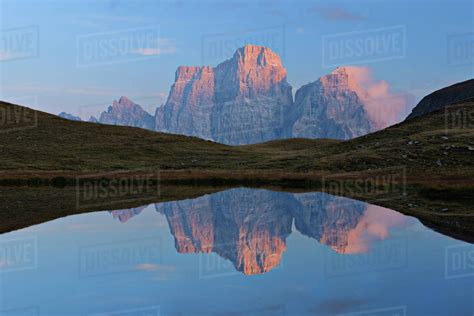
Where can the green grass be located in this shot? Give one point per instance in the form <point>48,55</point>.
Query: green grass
<point>50,154</point>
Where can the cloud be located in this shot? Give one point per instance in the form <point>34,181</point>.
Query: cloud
<point>374,225</point>
<point>336,14</point>
<point>147,267</point>
<point>383,106</point>
<point>100,20</point>
<point>165,46</point>
<point>300,30</point>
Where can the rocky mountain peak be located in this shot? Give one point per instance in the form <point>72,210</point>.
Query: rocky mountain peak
<point>123,101</point>
<point>257,55</point>
<point>187,73</point>
<point>240,101</point>
<point>127,113</point>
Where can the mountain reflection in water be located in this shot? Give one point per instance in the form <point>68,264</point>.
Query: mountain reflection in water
<point>249,227</point>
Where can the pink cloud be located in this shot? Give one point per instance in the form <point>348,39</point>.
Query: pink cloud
<point>383,106</point>
<point>374,225</point>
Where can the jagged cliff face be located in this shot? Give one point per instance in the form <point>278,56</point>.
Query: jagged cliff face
<point>328,219</point>
<point>247,227</point>
<point>125,112</point>
<point>125,215</point>
<point>329,108</point>
<point>190,102</point>
<point>243,100</point>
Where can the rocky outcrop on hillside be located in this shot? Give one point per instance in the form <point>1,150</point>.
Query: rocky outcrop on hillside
<point>443,97</point>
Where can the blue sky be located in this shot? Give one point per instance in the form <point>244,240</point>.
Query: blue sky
<point>44,64</point>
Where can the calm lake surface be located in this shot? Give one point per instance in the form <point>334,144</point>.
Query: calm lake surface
<point>237,252</point>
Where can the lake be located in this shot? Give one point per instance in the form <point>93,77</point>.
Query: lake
<point>237,252</point>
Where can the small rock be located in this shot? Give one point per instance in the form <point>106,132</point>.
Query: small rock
<point>444,137</point>
<point>470,148</point>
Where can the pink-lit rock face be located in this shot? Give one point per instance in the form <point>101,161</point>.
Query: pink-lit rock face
<point>249,229</point>
<point>346,103</point>
<point>329,108</point>
<point>240,101</point>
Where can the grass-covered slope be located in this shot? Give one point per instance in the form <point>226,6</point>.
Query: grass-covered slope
<point>432,156</point>
<point>429,147</point>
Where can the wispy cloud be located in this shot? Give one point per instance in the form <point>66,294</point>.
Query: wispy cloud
<point>384,106</point>
<point>96,20</point>
<point>335,14</point>
<point>165,46</point>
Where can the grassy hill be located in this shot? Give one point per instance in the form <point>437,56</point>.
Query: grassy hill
<point>422,167</point>
<point>426,146</point>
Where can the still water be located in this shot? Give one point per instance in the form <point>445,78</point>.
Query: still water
<point>237,252</point>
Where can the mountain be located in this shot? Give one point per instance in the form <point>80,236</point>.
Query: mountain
<point>125,112</point>
<point>241,101</point>
<point>247,100</point>
<point>68,116</point>
<point>443,97</point>
<point>329,108</point>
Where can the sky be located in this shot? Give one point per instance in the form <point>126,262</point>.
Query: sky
<point>78,56</point>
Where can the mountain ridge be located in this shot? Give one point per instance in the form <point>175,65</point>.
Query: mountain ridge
<point>246,99</point>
